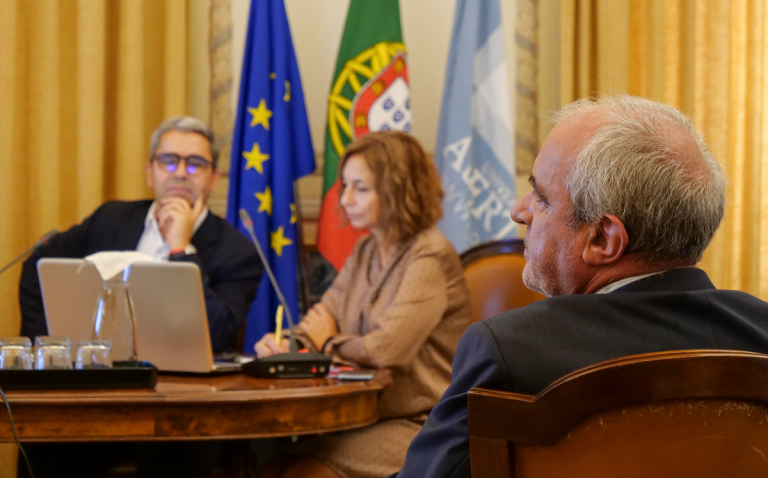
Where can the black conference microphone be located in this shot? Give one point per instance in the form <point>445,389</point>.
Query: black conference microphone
<point>288,365</point>
<point>40,242</point>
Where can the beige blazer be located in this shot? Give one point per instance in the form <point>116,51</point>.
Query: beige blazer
<point>407,317</point>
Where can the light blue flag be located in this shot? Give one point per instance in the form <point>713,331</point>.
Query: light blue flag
<point>474,152</point>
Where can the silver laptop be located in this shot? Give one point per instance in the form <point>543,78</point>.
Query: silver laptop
<point>171,320</point>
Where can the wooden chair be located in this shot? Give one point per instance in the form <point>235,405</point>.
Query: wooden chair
<point>696,413</point>
<point>494,274</point>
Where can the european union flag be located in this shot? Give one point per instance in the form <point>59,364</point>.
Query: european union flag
<point>272,148</point>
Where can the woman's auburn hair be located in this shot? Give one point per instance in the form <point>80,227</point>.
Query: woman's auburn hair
<point>406,180</point>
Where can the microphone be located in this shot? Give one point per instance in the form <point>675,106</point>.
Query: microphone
<point>40,242</point>
<point>248,225</point>
<point>286,365</point>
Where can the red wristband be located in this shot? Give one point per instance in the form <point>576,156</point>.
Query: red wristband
<point>177,250</point>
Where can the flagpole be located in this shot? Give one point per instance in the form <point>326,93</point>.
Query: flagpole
<point>303,266</point>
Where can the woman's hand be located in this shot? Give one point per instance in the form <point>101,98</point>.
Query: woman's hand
<point>268,346</point>
<point>319,325</point>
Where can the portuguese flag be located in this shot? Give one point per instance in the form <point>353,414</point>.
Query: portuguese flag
<point>369,92</point>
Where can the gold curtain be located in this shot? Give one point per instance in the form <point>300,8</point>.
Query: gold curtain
<point>82,85</point>
<point>710,59</point>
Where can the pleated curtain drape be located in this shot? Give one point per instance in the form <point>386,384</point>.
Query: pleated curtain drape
<point>710,59</point>
<point>82,85</point>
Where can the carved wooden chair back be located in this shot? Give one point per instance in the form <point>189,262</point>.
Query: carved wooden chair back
<point>494,274</point>
<point>700,413</point>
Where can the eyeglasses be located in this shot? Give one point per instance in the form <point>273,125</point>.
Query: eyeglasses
<point>193,164</point>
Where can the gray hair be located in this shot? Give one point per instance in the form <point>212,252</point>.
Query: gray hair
<point>635,168</point>
<point>187,124</point>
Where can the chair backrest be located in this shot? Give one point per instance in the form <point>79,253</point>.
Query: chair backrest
<point>494,274</point>
<point>700,413</point>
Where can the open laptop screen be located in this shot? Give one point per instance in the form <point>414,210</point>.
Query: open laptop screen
<point>171,322</point>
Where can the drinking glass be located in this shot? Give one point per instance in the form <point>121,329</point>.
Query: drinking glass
<point>93,354</point>
<point>53,353</point>
<point>15,353</point>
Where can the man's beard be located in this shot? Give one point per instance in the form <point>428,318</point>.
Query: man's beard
<point>187,194</point>
<point>532,280</point>
<point>533,275</point>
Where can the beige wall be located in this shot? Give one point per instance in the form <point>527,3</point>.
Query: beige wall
<point>317,26</point>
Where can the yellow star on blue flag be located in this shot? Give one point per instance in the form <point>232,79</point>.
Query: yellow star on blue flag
<point>271,148</point>
<point>255,158</point>
<point>279,241</point>
<point>265,201</point>
<point>260,115</point>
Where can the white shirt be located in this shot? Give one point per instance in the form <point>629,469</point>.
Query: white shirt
<point>152,242</point>
<point>607,289</point>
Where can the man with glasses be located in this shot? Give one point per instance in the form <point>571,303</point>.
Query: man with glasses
<point>176,226</point>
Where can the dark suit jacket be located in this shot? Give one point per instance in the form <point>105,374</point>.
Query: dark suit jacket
<point>526,349</point>
<point>228,262</point>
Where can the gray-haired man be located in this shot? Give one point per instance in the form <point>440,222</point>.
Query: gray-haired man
<point>625,199</point>
<point>182,171</point>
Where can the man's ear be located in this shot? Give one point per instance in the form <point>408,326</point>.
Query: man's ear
<point>214,181</point>
<point>148,175</point>
<point>607,241</point>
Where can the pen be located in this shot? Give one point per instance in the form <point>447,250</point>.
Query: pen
<point>279,324</point>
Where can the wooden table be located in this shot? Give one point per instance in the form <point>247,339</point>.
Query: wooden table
<point>195,408</point>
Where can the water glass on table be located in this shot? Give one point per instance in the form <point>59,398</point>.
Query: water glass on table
<point>53,353</point>
<point>15,353</point>
<point>93,354</point>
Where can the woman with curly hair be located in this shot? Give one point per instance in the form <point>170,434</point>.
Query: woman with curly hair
<point>400,303</point>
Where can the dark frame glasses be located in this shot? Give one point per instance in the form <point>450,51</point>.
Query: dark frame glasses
<point>193,164</point>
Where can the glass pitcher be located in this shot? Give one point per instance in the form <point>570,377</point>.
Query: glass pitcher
<point>114,319</point>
